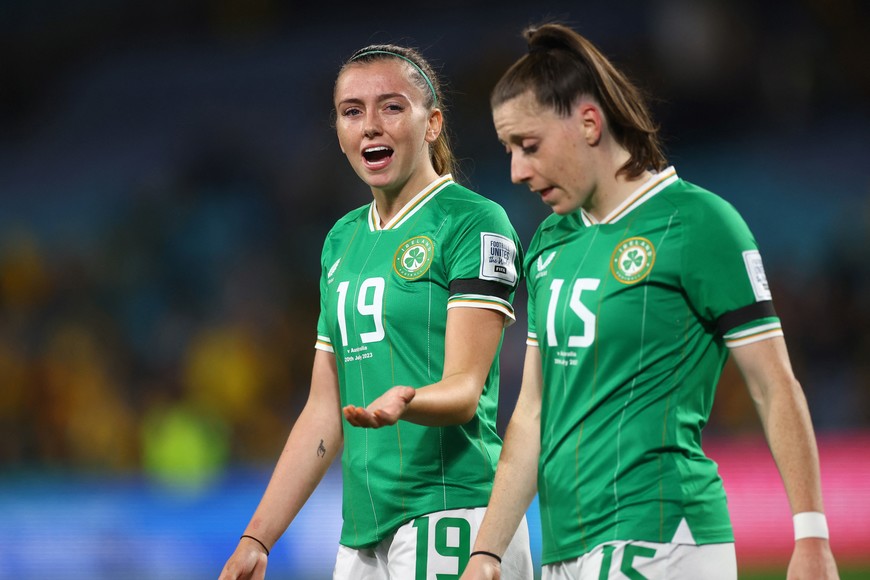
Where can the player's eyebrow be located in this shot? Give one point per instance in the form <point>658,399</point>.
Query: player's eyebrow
<point>383,97</point>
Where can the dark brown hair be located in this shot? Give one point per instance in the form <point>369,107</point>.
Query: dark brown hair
<point>423,75</point>
<point>562,66</point>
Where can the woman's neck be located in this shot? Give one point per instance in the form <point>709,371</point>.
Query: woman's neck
<point>613,188</point>
<point>390,201</point>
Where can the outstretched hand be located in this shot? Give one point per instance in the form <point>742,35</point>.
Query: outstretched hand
<point>385,410</point>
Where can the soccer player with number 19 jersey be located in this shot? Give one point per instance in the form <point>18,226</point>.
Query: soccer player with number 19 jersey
<point>384,295</point>
<point>416,290</point>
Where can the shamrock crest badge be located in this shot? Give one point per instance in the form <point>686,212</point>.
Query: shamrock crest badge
<point>632,260</point>
<point>414,257</point>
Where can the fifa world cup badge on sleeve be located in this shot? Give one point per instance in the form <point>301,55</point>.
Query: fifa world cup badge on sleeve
<point>497,255</point>
<point>757,277</point>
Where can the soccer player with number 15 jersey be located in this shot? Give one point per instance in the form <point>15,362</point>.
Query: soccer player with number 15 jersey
<point>640,285</point>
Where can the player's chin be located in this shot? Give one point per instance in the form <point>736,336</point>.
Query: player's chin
<point>561,208</point>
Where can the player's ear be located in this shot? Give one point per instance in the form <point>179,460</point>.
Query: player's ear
<point>436,122</point>
<point>591,120</point>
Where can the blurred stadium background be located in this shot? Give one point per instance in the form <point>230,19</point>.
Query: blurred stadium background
<point>168,172</point>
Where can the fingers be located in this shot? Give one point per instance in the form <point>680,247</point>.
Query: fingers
<point>360,417</point>
<point>385,410</point>
<point>248,564</point>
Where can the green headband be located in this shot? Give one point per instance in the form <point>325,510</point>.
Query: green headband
<point>406,59</point>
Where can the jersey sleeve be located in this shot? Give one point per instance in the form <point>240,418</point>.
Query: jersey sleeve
<point>529,273</point>
<point>532,333</point>
<point>484,262</point>
<point>724,276</point>
<point>324,342</point>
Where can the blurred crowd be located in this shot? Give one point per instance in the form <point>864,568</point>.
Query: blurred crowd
<point>181,338</point>
<point>162,317</point>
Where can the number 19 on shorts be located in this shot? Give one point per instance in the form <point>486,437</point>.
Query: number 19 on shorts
<point>442,547</point>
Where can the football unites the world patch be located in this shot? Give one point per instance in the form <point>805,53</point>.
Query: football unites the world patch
<point>757,277</point>
<point>632,260</point>
<point>497,255</point>
<point>414,257</point>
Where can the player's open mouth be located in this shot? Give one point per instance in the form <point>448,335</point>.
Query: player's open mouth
<point>546,192</point>
<point>377,156</point>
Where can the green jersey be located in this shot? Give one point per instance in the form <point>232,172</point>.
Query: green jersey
<point>385,292</point>
<point>633,316</point>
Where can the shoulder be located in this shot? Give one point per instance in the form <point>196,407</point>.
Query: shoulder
<point>553,230</point>
<point>350,220</point>
<point>467,211</point>
<point>700,208</point>
<point>460,200</point>
<point>694,199</point>
<point>713,232</point>
<point>343,230</point>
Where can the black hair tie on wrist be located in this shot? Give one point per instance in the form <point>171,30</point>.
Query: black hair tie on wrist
<point>483,553</point>
<point>256,540</point>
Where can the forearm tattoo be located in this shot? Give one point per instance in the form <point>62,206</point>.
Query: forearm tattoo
<point>321,450</point>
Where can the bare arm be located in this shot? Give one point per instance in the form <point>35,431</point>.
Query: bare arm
<point>471,341</point>
<point>516,479</point>
<point>311,446</point>
<point>785,417</point>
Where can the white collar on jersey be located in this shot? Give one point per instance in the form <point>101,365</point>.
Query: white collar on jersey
<point>650,187</point>
<point>410,208</point>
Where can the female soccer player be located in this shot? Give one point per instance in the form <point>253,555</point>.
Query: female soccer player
<point>640,285</point>
<point>416,289</point>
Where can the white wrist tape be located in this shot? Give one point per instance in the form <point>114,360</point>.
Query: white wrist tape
<point>810,525</point>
